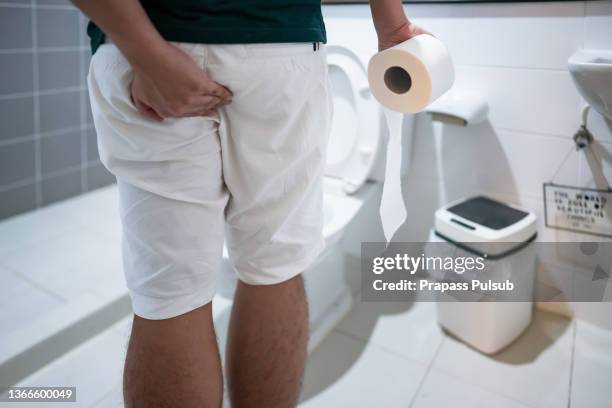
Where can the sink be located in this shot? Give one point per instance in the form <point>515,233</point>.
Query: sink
<point>592,74</point>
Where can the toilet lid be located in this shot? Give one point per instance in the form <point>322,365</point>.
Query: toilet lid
<point>356,125</point>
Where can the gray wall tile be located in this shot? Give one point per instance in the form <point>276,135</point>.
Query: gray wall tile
<point>16,26</point>
<point>16,162</point>
<point>57,27</point>
<point>54,2</point>
<point>58,69</point>
<point>88,115</point>
<point>98,176</point>
<point>17,73</point>
<point>86,59</point>
<point>59,152</point>
<point>58,111</point>
<point>17,200</point>
<point>83,22</point>
<point>61,187</point>
<point>16,117</point>
<point>92,145</point>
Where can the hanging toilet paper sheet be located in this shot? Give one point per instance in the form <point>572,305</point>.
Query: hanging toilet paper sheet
<point>392,207</point>
<point>405,78</point>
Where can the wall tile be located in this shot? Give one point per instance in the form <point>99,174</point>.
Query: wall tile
<point>58,111</point>
<point>60,151</point>
<point>83,22</point>
<point>598,25</point>
<point>92,145</point>
<point>534,35</point>
<point>61,187</point>
<point>537,101</point>
<point>16,23</point>
<point>54,2</point>
<point>16,162</point>
<point>515,163</point>
<point>57,27</point>
<point>477,34</point>
<point>600,127</point>
<point>17,73</point>
<point>87,107</point>
<point>85,60</point>
<point>16,118</point>
<point>58,69</point>
<point>17,200</point>
<point>342,24</point>
<point>595,166</point>
<point>98,176</point>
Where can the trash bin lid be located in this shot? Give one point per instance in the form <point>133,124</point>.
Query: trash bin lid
<point>480,219</point>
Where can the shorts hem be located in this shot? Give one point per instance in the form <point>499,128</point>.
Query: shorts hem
<point>155,308</point>
<point>259,277</point>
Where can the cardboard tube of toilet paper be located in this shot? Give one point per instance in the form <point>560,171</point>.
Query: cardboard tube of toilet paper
<point>408,77</point>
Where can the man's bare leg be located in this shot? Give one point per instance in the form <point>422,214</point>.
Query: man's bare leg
<point>266,346</point>
<point>173,362</point>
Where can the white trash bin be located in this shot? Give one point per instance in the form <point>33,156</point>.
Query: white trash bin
<point>478,226</point>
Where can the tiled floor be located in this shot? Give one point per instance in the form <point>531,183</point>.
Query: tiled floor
<point>377,357</point>
<point>38,276</point>
<point>381,355</point>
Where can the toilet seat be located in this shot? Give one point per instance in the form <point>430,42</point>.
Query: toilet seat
<point>356,127</point>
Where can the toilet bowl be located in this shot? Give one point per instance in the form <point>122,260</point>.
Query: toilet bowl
<point>354,168</point>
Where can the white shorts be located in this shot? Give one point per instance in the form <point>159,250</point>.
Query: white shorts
<point>251,176</point>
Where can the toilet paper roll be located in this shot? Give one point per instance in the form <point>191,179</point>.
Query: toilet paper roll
<point>405,78</point>
<point>408,77</point>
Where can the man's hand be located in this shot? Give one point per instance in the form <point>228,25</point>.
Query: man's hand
<point>172,85</point>
<point>404,32</point>
<point>392,25</point>
<point>167,83</point>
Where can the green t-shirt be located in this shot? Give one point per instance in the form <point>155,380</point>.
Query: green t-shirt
<point>231,21</point>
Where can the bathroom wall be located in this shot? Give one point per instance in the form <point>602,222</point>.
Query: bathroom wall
<point>47,142</point>
<point>516,56</point>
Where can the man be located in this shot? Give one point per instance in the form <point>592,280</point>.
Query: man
<point>214,117</point>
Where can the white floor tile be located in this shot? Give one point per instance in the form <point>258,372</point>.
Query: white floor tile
<point>534,370</point>
<point>34,226</point>
<point>68,265</point>
<point>410,330</point>
<point>592,367</point>
<point>441,390</point>
<point>123,327</point>
<point>21,302</point>
<point>114,399</point>
<point>345,372</point>
<point>96,211</point>
<point>94,368</point>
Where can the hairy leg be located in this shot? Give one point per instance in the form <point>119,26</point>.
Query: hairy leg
<point>173,362</point>
<point>266,347</point>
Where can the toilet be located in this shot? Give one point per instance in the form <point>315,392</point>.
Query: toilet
<point>353,178</point>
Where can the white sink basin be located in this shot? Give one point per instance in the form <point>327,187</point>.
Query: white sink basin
<point>592,74</point>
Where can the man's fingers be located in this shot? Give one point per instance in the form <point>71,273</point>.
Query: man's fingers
<point>222,103</point>
<point>207,102</point>
<point>212,112</point>
<point>219,91</point>
<point>147,111</point>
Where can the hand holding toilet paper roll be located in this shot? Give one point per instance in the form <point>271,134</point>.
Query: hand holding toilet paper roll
<point>405,78</point>
<point>408,77</point>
